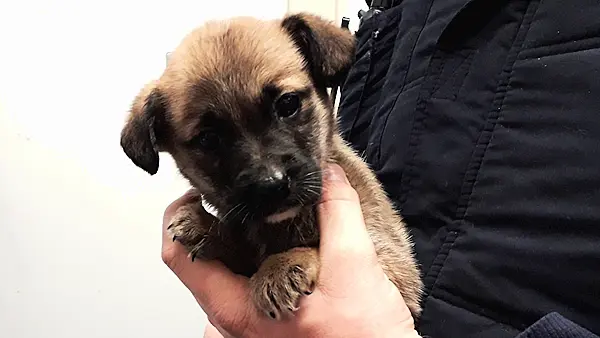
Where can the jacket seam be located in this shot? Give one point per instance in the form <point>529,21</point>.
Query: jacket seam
<point>460,81</point>
<point>412,50</point>
<point>418,126</point>
<point>410,56</point>
<point>362,90</point>
<point>437,265</point>
<point>485,137</point>
<point>472,173</point>
<point>365,79</point>
<point>560,48</point>
<point>440,80</point>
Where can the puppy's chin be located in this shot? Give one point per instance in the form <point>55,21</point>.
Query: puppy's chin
<point>286,210</point>
<point>290,211</point>
<point>283,216</point>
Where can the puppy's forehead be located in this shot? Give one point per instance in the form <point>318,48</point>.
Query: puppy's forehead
<point>227,62</point>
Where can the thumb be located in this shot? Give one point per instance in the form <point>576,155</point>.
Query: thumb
<point>344,236</point>
<point>221,294</point>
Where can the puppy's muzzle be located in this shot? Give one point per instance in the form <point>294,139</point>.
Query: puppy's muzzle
<point>266,185</point>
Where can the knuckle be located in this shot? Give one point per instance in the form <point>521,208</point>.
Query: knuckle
<point>342,192</point>
<point>351,194</point>
<point>312,324</point>
<point>169,256</point>
<point>189,197</point>
<point>235,325</point>
<point>172,208</point>
<point>170,213</point>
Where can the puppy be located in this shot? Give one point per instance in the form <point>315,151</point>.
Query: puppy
<point>243,109</point>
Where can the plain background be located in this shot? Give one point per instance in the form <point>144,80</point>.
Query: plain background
<point>79,224</point>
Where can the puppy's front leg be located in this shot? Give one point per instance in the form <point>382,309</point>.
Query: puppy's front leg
<point>282,279</point>
<point>192,226</point>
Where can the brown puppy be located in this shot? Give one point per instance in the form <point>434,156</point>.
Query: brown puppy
<point>243,109</point>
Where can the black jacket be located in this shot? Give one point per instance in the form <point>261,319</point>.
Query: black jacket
<point>482,119</point>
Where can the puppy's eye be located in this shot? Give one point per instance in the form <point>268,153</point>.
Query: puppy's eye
<point>287,105</point>
<point>207,140</point>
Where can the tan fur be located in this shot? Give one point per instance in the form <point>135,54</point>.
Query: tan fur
<point>202,67</point>
<point>384,224</point>
<point>199,56</point>
<point>285,277</point>
<point>334,39</point>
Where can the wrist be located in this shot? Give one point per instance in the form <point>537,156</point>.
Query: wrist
<point>405,330</point>
<point>414,334</point>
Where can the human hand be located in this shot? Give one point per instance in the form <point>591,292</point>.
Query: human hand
<point>353,297</point>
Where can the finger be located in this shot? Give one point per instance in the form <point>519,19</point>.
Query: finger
<point>212,332</point>
<point>344,236</point>
<point>222,294</point>
<point>189,196</point>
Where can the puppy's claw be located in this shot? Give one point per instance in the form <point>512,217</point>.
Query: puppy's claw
<point>281,282</point>
<point>196,250</point>
<point>187,227</point>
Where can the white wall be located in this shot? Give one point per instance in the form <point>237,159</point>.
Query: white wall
<point>331,9</point>
<point>79,224</point>
<point>350,8</point>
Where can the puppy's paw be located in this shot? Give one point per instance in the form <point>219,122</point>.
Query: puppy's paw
<point>190,228</point>
<point>283,279</point>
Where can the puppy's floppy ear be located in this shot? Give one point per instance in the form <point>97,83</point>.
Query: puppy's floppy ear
<point>327,49</point>
<point>141,134</point>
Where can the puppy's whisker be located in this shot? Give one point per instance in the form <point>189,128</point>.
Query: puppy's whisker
<point>299,231</point>
<point>312,191</point>
<point>311,174</point>
<point>313,181</point>
<point>300,199</point>
<point>238,213</point>
<point>245,217</point>
<point>224,218</point>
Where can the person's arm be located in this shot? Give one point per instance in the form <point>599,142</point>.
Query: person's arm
<point>554,325</point>
<point>353,297</point>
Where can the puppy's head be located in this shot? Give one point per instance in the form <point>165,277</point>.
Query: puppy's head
<point>242,108</point>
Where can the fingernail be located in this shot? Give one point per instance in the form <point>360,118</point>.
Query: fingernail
<point>336,173</point>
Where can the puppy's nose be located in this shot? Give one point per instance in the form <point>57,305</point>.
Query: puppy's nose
<point>271,185</point>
